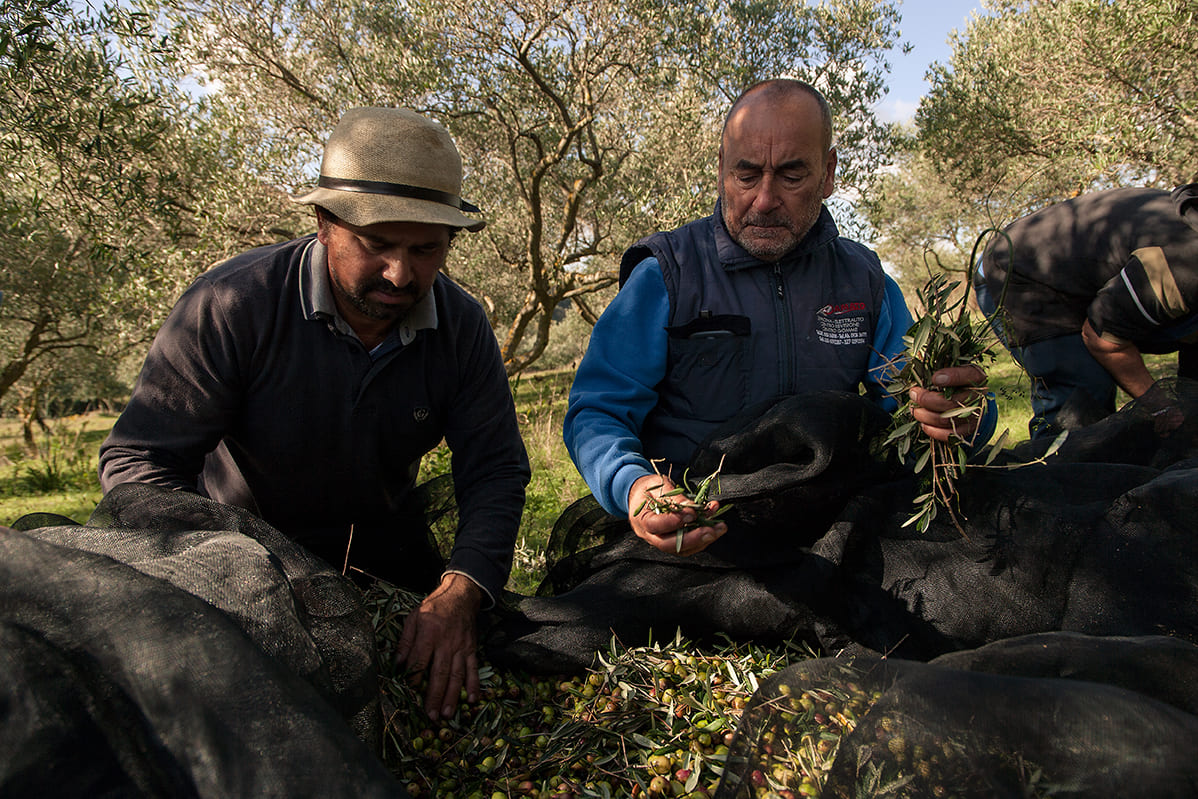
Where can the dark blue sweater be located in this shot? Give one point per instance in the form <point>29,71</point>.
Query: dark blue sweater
<point>255,394</point>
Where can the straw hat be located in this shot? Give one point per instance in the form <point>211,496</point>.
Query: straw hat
<point>391,165</point>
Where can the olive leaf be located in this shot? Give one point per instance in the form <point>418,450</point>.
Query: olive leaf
<point>945,334</point>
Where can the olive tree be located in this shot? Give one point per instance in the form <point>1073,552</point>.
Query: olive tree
<point>1039,101</point>
<point>923,226</point>
<point>583,124</point>
<point>87,197</point>
<point>1060,96</point>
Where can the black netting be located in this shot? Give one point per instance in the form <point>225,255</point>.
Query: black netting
<point>788,470</point>
<point>192,650</point>
<point>1096,539</point>
<point>1090,552</point>
<point>1053,714</point>
<point>176,647</point>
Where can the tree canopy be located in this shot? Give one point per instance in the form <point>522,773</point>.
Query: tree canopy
<point>1041,100</point>
<point>1064,95</point>
<point>142,146</point>
<point>86,199</point>
<point>583,124</point>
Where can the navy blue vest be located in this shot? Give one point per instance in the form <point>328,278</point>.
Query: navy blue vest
<point>744,332</point>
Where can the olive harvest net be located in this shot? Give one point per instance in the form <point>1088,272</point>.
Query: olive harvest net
<point>175,647</point>
<point>1044,648</point>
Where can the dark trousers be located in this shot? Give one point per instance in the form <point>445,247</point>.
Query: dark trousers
<point>1069,389</point>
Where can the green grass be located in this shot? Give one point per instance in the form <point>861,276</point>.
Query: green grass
<point>61,477</point>
<point>1010,387</point>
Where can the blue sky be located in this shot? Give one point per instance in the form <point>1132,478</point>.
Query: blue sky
<point>926,24</point>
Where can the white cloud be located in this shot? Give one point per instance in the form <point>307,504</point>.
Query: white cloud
<point>896,110</point>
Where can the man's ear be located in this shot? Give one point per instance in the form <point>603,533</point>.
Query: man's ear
<point>322,224</point>
<point>830,173</point>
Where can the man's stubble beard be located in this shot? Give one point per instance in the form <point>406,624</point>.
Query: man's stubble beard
<point>771,251</point>
<point>377,310</point>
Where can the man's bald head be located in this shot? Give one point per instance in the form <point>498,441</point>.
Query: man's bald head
<point>776,166</point>
<point>778,89</point>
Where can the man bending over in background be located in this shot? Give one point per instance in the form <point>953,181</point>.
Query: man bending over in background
<point>1083,287</point>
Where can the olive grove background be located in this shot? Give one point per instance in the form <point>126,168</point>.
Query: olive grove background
<point>1041,100</point>
<point>145,142</point>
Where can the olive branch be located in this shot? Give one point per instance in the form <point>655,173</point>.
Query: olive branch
<point>945,335</point>
<point>686,496</point>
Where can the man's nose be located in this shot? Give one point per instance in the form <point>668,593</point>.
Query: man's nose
<point>766,198</point>
<point>396,270</point>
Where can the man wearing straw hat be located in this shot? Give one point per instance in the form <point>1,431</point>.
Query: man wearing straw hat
<point>305,380</point>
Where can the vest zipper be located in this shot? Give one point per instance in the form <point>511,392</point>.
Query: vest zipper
<point>785,336</point>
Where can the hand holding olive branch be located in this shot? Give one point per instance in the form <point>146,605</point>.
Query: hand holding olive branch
<point>943,348</point>
<point>659,510</point>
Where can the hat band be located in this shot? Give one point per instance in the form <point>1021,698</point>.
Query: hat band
<point>397,190</point>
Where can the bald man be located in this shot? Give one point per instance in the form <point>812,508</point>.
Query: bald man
<point>761,300</point>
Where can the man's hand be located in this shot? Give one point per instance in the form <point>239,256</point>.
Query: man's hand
<point>439,637</point>
<point>966,382</point>
<point>661,529</point>
<point>1158,404</point>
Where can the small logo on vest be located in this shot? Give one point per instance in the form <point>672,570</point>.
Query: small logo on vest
<point>844,307</point>
<point>420,414</point>
<point>842,324</point>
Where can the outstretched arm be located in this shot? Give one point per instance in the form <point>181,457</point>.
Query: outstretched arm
<point>1121,359</point>
<point>183,401</point>
<point>615,388</point>
<point>439,638</point>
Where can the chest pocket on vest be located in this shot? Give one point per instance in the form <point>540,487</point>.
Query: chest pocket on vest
<point>708,369</point>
